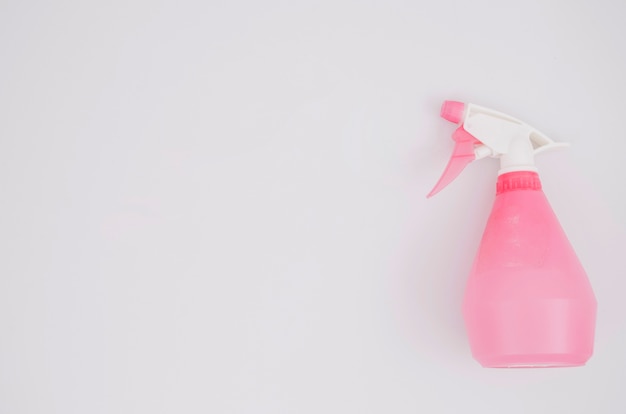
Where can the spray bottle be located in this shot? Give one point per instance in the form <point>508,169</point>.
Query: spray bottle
<point>528,302</point>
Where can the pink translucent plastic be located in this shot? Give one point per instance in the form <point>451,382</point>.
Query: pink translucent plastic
<point>452,111</point>
<point>528,302</point>
<point>462,155</point>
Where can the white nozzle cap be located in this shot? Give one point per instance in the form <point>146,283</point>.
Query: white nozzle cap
<point>512,141</point>
<point>484,132</point>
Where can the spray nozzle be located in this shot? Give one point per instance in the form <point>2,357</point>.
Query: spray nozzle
<point>484,132</point>
<point>452,111</point>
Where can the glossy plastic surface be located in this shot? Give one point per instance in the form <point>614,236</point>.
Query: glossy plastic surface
<point>452,111</point>
<point>528,302</point>
<point>462,155</point>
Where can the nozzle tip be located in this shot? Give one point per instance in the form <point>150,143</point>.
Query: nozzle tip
<point>452,111</point>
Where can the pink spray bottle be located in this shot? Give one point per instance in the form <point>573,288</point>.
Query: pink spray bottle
<point>528,302</point>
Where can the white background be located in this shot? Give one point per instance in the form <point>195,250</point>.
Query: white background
<point>219,206</point>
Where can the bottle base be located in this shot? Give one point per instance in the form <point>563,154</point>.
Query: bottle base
<point>533,361</point>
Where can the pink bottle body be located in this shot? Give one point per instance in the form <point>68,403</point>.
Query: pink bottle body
<point>528,302</point>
